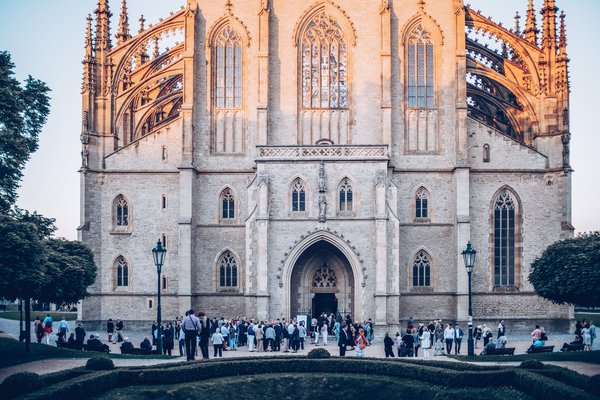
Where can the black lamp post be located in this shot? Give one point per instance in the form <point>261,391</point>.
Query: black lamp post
<point>469,258</point>
<point>158,253</point>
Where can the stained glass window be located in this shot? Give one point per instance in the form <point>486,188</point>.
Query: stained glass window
<point>324,64</point>
<point>122,272</point>
<point>122,211</point>
<point>422,269</point>
<point>227,205</point>
<point>420,73</point>
<point>422,204</point>
<point>504,240</point>
<point>346,195</point>
<point>298,196</point>
<point>227,69</point>
<point>228,271</point>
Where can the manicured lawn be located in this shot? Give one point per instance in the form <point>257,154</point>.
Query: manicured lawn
<point>56,316</point>
<point>310,386</point>
<point>592,357</point>
<point>12,352</point>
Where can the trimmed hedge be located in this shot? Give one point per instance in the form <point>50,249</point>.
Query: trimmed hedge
<point>441,374</point>
<point>100,363</point>
<point>318,353</point>
<point>20,383</point>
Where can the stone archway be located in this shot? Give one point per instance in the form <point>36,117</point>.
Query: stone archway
<point>322,280</point>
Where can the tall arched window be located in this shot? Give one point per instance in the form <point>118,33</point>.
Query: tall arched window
<point>227,69</point>
<point>122,272</point>
<point>486,153</point>
<point>422,270</point>
<point>298,196</point>
<point>227,205</point>
<point>346,195</point>
<point>121,211</point>
<point>228,271</point>
<point>422,204</point>
<point>504,240</point>
<point>324,64</point>
<point>420,70</point>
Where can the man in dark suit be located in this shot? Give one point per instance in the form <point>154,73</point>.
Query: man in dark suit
<point>343,340</point>
<point>204,334</point>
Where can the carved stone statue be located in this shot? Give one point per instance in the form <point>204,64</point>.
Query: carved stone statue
<point>322,208</point>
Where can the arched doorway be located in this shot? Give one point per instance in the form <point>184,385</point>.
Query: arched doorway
<point>322,281</point>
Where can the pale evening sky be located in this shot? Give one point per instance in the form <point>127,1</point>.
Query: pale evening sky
<point>46,38</point>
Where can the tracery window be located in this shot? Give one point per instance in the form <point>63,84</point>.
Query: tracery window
<point>228,271</point>
<point>504,240</point>
<point>422,204</point>
<point>227,205</point>
<point>420,71</point>
<point>227,69</point>
<point>324,64</point>
<point>422,270</point>
<point>346,195</point>
<point>324,277</point>
<point>121,211</point>
<point>122,272</point>
<point>298,196</point>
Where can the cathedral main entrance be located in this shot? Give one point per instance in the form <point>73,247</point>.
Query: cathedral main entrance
<point>321,282</point>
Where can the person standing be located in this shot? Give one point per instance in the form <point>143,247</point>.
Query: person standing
<point>79,337</point>
<point>324,332</point>
<point>301,335</point>
<point>110,329</point>
<point>449,338</point>
<point>425,342</point>
<point>217,340</point>
<point>191,326</point>
<point>251,335</point>
<point>259,334</point>
<point>181,340</point>
<point>458,337</point>
<point>360,342</point>
<point>205,332</point>
<point>343,339</point>
<point>587,338</point>
<point>295,338</point>
<point>63,328</point>
<point>592,333</point>
<point>48,327</point>
<point>168,339</point>
<point>501,328</point>
<point>388,345</point>
<point>270,338</point>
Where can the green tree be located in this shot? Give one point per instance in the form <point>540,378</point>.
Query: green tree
<point>23,113</point>
<point>70,270</point>
<point>23,270</point>
<point>569,271</point>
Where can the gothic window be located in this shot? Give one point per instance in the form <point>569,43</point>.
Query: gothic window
<point>324,277</point>
<point>227,69</point>
<point>227,205</point>
<point>346,195</point>
<point>121,211</point>
<point>486,153</point>
<point>422,270</point>
<point>504,240</point>
<point>422,204</point>
<point>122,272</point>
<point>228,271</point>
<point>420,73</point>
<point>298,196</point>
<point>324,64</point>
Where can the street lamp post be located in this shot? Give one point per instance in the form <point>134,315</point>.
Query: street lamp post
<point>158,253</point>
<point>469,258</point>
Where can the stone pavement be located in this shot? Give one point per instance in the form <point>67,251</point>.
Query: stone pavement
<point>520,341</point>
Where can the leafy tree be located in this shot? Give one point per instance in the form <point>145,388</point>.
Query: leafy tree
<point>45,226</point>
<point>569,271</point>
<point>23,269</point>
<point>23,113</point>
<point>70,270</point>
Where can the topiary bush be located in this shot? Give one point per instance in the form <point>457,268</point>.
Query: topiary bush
<point>99,364</point>
<point>318,353</point>
<point>532,364</point>
<point>20,383</point>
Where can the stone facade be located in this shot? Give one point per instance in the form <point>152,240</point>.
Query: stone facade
<point>236,145</point>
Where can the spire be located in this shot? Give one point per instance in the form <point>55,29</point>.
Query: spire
<point>531,29</point>
<point>549,25</point>
<point>88,60</point>
<point>142,20</point>
<point>123,31</point>
<point>562,39</point>
<point>103,15</point>
<point>517,24</point>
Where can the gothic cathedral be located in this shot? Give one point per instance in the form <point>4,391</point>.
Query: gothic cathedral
<point>338,156</point>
